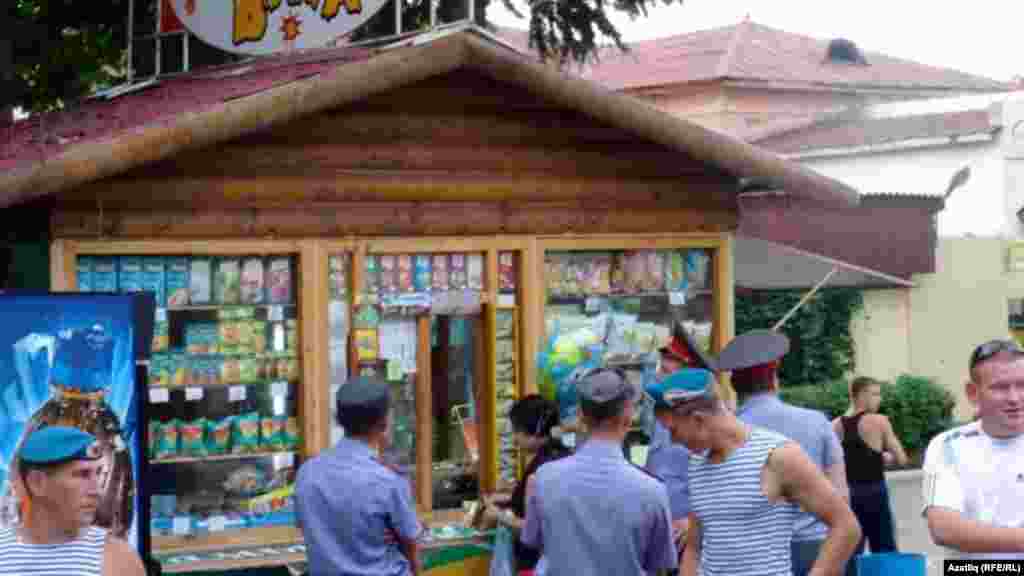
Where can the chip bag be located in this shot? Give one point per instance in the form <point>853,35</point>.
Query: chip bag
<point>193,438</point>
<point>167,442</point>
<point>245,433</point>
<point>218,436</point>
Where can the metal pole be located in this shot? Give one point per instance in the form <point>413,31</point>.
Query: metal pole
<point>805,298</point>
<point>184,50</point>
<point>433,15</point>
<point>398,17</point>
<point>158,39</point>
<point>470,10</point>
<point>131,38</point>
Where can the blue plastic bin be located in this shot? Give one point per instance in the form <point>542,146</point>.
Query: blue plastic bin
<point>891,563</point>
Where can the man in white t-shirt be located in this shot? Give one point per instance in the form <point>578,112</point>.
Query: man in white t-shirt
<point>974,475</point>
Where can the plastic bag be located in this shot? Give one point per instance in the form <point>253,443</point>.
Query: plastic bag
<point>503,560</point>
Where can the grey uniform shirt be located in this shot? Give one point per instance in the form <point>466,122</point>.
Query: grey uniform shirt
<point>594,513</point>
<point>808,428</point>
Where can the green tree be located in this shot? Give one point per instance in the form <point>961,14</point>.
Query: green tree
<point>54,51</point>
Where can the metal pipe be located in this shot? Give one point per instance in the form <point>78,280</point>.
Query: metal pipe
<point>805,298</point>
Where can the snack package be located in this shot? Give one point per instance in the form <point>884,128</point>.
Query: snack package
<point>167,442</point>
<point>636,271</point>
<point>153,438</point>
<point>553,275</point>
<point>228,281</point>
<point>176,282</point>
<point>161,339</point>
<point>129,274</point>
<point>248,371</point>
<point>457,271</point>
<point>271,433</point>
<point>337,276</point>
<point>246,482</point>
<point>475,271</point>
<point>245,433</point>
<point>291,434</point>
<point>178,369</point>
<point>388,274</point>
<point>507,271</point>
<point>655,271</point>
<point>618,272</point>
<point>259,336</point>
<point>291,335</point>
<point>83,273</point>
<point>371,275</point>
<point>104,274</point>
<point>252,287</point>
<point>218,436</point>
<point>279,281</point>
<point>572,274</point>
<point>200,281</point>
<point>157,375</point>
<point>153,280</point>
<point>228,337</point>
<point>405,273</point>
<point>422,278</point>
<point>698,264</point>
<point>600,280</point>
<point>213,370</point>
<point>193,438</point>
<point>439,278</point>
<point>230,371</point>
<point>675,277</point>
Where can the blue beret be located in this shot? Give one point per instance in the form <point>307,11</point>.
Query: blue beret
<point>604,385</point>
<point>363,392</point>
<point>55,444</point>
<point>751,349</point>
<point>681,386</point>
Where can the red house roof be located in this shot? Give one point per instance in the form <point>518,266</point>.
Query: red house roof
<point>753,52</point>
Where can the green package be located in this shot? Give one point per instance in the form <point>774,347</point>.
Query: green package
<point>245,433</point>
<point>218,435</point>
<point>272,432</point>
<point>291,434</point>
<point>154,438</point>
<point>167,442</point>
<point>193,438</point>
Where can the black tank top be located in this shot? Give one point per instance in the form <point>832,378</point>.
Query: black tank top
<point>864,464</point>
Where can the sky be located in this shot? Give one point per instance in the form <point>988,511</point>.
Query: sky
<point>979,37</point>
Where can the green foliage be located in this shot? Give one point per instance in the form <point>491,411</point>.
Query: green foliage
<point>917,407</point>
<point>821,346</point>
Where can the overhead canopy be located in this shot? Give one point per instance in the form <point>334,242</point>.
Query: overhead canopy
<point>763,265</point>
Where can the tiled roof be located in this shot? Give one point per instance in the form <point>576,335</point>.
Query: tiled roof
<point>845,132</point>
<point>41,137</point>
<point>753,52</point>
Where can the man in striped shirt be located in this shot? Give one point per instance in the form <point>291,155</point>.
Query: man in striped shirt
<point>745,483</point>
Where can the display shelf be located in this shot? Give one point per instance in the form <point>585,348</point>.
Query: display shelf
<point>215,307</point>
<point>254,383</point>
<point>210,565</point>
<point>215,542</point>
<point>219,457</point>
<point>582,299</point>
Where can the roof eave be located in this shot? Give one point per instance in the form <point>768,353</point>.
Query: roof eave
<point>895,146</point>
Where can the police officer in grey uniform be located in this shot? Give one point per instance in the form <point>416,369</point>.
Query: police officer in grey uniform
<point>356,514</point>
<point>753,359</point>
<point>593,512</point>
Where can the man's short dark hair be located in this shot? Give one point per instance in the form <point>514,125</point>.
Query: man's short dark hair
<point>599,413</point>
<point>363,419</point>
<point>534,415</point>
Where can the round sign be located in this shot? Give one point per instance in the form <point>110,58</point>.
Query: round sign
<point>269,26</point>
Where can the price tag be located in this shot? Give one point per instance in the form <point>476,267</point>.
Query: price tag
<point>193,393</point>
<point>276,314</point>
<point>284,460</point>
<point>279,388</point>
<point>182,525</point>
<point>217,523</point>
<point>279,405</point>
<point>161,314</point>
<point>677,298</point>
<point>159,395</point>
<point>236,394</point>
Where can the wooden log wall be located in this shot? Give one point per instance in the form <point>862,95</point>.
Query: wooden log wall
<point>459,154</point>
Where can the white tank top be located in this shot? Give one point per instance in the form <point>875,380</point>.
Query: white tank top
<point>80,557</point>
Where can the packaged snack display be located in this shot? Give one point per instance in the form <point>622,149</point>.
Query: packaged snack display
<point>457,271</point>
<point>675,272</point>
<point>440,272</point>
<point>83,273</point>
<point>200,278</point>
<point>245,434</point>
<point>167,444</point>
<point>253,289</point>
<point>475,271</point>
<point>129,274</point>
<point>228,281</point>
<point>218,435</point>
<point>405,274</point>
<point>507,271</point>
<point>153,280</point>
<point>371,276</point>
<point>388,274</point>
<point>279,281</point>
<point>423,273</point>
<point>337,276</point>
<point>193,438</point>
<point>177,282</point>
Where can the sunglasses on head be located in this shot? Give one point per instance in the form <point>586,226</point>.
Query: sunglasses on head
<point>991,348</point>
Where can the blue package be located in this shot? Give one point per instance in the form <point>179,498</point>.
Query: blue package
<point>84,273</point>
<point>153,279</point>
<point>129,274</point>
<point>104,274</point>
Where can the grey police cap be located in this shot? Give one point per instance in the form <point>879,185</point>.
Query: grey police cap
<point>605,385</point>
<point>751,349</point>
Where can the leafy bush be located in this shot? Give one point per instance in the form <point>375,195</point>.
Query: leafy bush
<point>917,407</point>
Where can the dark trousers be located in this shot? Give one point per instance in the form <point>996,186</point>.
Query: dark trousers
<point>870,503</point>
<point>803,554</point>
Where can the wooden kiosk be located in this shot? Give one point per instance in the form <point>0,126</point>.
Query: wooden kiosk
<point>453,149</point>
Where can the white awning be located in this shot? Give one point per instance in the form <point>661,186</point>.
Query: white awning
<point>763,265</point>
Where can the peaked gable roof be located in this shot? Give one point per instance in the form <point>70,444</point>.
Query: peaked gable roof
<point>753,52</point>
<point>189,114</point>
